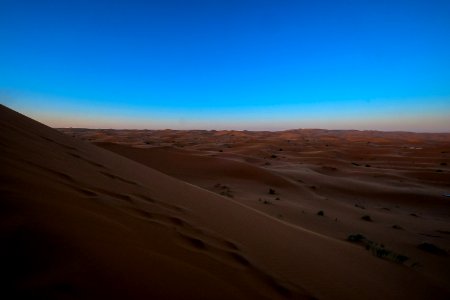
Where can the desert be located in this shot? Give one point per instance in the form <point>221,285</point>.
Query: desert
<point>224,149</point>
<point>167,214</point>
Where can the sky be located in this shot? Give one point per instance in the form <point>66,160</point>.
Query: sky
<point>225,64</point>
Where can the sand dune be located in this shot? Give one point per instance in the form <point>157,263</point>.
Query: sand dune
<point>79,221</point>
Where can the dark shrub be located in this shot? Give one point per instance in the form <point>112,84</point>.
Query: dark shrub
<point>428,247</point>
<point>356,238</point>
<point>367,218</point>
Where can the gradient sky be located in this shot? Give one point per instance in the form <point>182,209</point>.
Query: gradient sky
<point>228,64</point>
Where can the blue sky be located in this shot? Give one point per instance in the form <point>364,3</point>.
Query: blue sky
<point>228,64</point>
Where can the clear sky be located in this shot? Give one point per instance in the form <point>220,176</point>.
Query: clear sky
<point>225,64</point>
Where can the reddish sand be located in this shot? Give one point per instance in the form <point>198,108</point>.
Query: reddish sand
<point>222,214</point>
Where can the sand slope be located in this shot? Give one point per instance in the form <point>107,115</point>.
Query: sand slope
<point>78,221</point>
<point>405,211</point>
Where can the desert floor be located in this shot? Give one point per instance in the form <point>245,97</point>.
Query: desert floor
<point>168,214</point>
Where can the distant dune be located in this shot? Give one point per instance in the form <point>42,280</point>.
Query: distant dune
<point>222,215</point>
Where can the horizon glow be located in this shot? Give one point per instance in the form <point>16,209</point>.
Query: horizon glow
<point>242,65</point>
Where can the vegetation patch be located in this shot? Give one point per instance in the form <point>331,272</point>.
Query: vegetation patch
<point>263,201</point>
<point>376,249</point>
<point>224,190</point>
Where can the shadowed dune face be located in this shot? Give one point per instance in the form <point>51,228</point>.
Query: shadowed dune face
<point>78,221</point>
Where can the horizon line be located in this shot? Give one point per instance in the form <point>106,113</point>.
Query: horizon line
<point>246,130</point>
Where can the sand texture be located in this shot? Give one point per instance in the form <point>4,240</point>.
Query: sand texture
<point>222,214</point>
